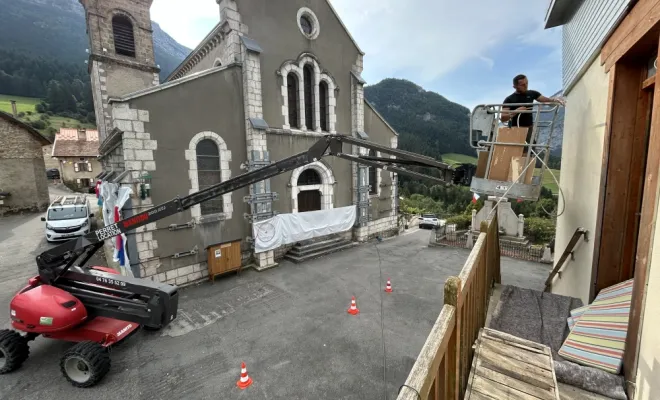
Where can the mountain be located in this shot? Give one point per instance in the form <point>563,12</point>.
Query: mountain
<point>57,29</point>
<point>558,129</point>
<point>430,124</point>
<point>427,123</point>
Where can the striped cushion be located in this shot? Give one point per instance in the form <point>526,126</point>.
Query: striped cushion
<point>598,335</point>
<point>575,316</point>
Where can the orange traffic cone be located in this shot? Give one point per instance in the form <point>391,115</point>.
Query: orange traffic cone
<point>353,310</point>
<point>388,288</point>
<point>245,380</point>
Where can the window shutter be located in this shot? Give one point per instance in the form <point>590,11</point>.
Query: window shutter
<point>76,167</point>
<point>78,180</point>
<point>89,166</point>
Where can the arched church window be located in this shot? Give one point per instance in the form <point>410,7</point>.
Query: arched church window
<point>122,31</point>
<point>292,91</point>
<point>309,177</point>
<point>323,105</point>
<point>308,74</point>
<point>208,173</point>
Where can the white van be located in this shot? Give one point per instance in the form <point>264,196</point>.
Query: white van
<point>67,217</point>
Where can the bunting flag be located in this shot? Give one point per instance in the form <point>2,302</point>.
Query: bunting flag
<point>120,253</point>
<point>475,197</point>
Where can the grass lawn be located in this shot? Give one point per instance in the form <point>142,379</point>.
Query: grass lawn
<point>453,158</point>
<point>548,181</point>
<point>25,104</point>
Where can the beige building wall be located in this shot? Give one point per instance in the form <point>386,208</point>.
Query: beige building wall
<point>581,166</point>
<point>648,368</point>
<point>69,174</point>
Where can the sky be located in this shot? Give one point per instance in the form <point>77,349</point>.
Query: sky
<point>468,51</point>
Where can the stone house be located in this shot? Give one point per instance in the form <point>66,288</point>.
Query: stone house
<point>76,151</point>
<point>22,168</point>
<point>267,82</point>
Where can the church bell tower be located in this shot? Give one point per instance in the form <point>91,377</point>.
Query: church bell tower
<point>121,53</point>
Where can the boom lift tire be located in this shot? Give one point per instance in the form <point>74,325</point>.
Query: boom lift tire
<point>14,350</point>
<point>85,364</point>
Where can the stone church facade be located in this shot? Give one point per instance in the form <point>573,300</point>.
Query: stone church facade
<point>266,83</point>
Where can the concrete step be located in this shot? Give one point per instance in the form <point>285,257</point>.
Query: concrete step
<point>300,250</point>
<point>319,253</point>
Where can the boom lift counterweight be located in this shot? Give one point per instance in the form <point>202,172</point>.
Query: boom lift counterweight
<point>108,307</point>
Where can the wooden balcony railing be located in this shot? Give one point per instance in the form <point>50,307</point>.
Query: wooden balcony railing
<point>443,365</point>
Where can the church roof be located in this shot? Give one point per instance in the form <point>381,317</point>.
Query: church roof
<point>167,85</point>
<point>380,116</point>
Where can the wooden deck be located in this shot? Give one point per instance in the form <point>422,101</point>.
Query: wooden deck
<point>507,367</point>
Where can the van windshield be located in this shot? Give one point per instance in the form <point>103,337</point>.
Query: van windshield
<point>428,216</point>
<point>59,214</point>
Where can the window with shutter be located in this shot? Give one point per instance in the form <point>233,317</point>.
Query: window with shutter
<point>76,167</point>
<point>122,32</point>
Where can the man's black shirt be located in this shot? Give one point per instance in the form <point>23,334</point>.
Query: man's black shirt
<point>525,98</point>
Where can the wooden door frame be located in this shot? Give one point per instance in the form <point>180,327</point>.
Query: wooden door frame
<point>639,31</point>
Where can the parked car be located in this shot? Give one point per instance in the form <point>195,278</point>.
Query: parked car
<point>428,221</point>
<point>92,187</point>
<point>67,217</point>
<point>53,173</point>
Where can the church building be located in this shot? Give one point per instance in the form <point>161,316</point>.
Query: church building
<point>267,82</point>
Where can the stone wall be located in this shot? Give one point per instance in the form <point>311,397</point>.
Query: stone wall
<point>22,170</point>
<point>99,19</point>
<point>384,227</point>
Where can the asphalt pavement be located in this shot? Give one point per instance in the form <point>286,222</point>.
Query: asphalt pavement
<point>288,324</point>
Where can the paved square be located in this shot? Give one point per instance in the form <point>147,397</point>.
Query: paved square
<point>289,325</point>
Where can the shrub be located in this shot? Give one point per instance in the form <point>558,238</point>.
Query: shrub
<point>539,230</point>
<point>40,108</point>
<point>29,113</point>
<point>38,124</point>
<point>43,117</point>
<point>21,114</point>
<point>462,221</point>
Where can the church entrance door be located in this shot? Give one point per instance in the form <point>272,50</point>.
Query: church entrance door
<point>309,200</point>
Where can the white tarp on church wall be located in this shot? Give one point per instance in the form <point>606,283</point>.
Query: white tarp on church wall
<point>290,228</point>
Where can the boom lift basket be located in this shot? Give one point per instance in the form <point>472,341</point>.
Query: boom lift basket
<point>504,155</point>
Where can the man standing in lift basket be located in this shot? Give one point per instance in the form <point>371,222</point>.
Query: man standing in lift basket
<point>524,96</point>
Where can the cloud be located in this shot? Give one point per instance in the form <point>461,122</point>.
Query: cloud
<point>432,38</point>
<point>187,23</point>
<point>468,50</point>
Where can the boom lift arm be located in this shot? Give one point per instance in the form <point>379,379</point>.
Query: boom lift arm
<point>153,303</point>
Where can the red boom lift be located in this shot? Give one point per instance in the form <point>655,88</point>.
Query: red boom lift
<point>96,308</point>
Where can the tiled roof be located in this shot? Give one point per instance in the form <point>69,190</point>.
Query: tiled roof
<point>72,134</point>
<point>67,144</point>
